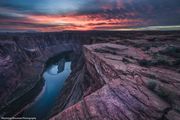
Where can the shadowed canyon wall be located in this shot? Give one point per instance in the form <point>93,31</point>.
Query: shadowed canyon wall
<point>23,57</point>
<point>127,82</point>
<point>22,60</point>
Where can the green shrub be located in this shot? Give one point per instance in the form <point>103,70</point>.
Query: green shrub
<point>145,63</point>
<point>172,51</point>
<point>164,94</point>
<point>152,84</point>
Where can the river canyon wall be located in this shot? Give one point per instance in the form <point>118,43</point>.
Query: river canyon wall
<point>129,77</point>
<point>128,80</point>
<point>22,61</point>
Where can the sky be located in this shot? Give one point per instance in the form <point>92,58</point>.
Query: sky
<point>59,15</point>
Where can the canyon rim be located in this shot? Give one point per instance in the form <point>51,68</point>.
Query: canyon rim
<point>90,59</point>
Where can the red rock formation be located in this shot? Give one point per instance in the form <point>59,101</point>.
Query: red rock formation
<point>150,59</point>
<point>22,60</point>
<point>128,91</point>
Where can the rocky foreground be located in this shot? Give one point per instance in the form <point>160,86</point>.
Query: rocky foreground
<point>122,75</point>
<point>23,58</point>
<point>134,84</point>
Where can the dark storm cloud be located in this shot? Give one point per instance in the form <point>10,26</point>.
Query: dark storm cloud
<point>162,12</point>
<point>26,24</point>
<point>89,14</point>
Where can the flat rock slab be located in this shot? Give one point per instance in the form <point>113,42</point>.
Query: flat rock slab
<point>116,101</point>
<point>127,91</point>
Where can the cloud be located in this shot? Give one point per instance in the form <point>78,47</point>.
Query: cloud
<point>55,15</point>
<point>159,28</point>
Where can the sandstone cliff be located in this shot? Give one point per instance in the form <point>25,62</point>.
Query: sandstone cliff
<point>148,61</point>
<point>22,60</point>
<point>128,88</point>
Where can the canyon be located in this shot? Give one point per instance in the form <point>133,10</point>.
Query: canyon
<point>115,75</point>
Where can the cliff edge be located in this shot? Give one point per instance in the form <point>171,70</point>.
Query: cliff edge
<point>133,85</point>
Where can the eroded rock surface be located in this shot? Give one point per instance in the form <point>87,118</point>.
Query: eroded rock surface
<point>22,61</point>
<point>150,60</point>
<point>129,90</point>
<point>61,65</point>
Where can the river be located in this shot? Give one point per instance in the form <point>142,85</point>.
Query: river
<point>54,82</point>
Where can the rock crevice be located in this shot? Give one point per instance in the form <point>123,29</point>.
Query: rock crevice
<point>125,90</point>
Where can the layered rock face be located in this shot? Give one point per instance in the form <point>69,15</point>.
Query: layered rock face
<point>22,60</point>
<point>133,84</point>
<point>76,86</point>
<point>138,78</point>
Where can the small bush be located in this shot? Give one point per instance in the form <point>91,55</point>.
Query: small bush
<point>172,51</point>
<point>164,94</point>
<point>125,60</point>
<point>152,84</point>
<point>144,63</point>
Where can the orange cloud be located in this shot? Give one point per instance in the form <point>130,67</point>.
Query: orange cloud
<point>46,23</point>
<point>80,22</point>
